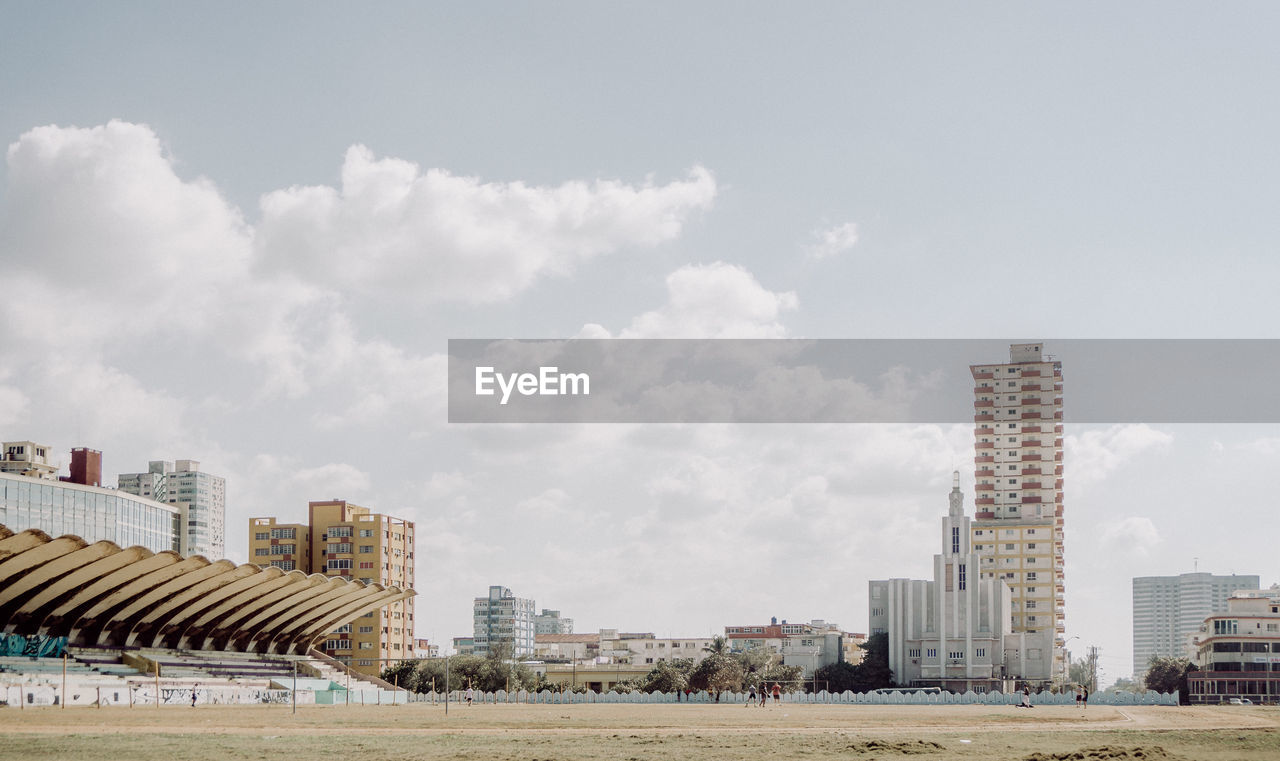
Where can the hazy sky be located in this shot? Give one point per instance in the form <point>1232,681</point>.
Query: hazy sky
<point>242,233</point>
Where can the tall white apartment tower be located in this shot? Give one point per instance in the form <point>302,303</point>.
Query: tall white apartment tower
<point>503,618</point>
<point>1018,526</point>
<point>1168,610</point>
<point>202,498</point>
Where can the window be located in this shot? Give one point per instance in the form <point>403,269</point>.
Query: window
<point>1010,546</point>
<point>932,652</point>
<point>913,652</point>
<point>365,548</point>
<point>339,547</point>
<point>261,536</point>
<point>284,565</point>
<point>1031,590</point>
<point>262,551</point>
<point>963,576</point>
<point>366,645</point>
<point>336,531</point>
<point>366,533</point>
<point>283,549</point>
<point>877,611</point>
<point>980,652</point>
<point>366,565</point>
<point>344,629</point>
<point>955,539</point>
<point>1031,604</point>
<point>1031,576</point>
<point>338,564</point>
<point>284,533</point>
<point>336,644</point>
<point>956,655</point>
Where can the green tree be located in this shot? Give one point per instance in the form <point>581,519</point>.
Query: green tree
<point>839,677</point>
<point>667,677</point>
<point>719,646</point>
<point>717,672</point>
<point>1169,674</point>
<point>872,674</point>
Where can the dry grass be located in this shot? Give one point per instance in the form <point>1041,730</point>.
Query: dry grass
<point>644,733</point>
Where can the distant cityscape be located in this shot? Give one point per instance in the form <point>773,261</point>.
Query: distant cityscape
<point>991,618</point>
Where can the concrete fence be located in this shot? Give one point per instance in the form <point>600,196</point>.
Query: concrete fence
<point>823,697</point>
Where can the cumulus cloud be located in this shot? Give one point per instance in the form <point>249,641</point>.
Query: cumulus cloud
<point>1094,454</point>
<point>716,300</point>
<point>1130,536</point>
<point>832,241</point>
<point>435,236</point>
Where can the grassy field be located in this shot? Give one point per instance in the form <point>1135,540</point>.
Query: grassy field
<point>643,733</point>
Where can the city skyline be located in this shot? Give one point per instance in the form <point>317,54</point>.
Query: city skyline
<point>257,259</point>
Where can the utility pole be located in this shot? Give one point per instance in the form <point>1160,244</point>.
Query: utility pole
<point>1093,668</point>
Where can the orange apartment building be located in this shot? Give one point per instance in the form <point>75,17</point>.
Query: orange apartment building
<point>342,539</point>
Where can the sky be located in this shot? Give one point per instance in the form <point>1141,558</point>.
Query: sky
<point>243,233</point>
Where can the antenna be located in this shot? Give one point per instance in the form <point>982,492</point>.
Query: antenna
<point>1196,564</point>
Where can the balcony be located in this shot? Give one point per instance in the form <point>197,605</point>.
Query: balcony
<point>983,376</point>
<point>1031,429</point>
<point>984,515</point>
<point>1030,500</point>
<point>1032,415</point>
<point>984,458</point>
<point>1031,458</point>
<point>1031,485</point>
<point>984,445</point>
<point>984,431</point>
<point>985,501</point>
<point>1030,373</point>
<point>983,403</point>
<point>1057,443</point>
<point>1031,471</point>
<point>984,487</point>
<point>1029,400</point>
<point>983,416</point>
<point>1031,387</point>
<point>983,390</point>
<point>984,473</point>
<point>1033,443</point>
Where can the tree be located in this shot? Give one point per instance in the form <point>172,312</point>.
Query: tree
<point>719,646</point>
<point>872,674</point>
<point>1169,674</point>
<point>667,677</point>
<point>717,672</point>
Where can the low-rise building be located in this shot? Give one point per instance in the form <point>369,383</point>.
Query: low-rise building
<point>551,622</point>
<point>1239,654</point>
<point>809,646</point>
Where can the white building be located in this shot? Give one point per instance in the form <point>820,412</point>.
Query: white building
<point>956,631</point>
<point>551,622</point>
<point>503,617</point>
<point>27,458</point>
<point>201,496</point>
<point>807,645</point>
<point>1168,612</point>
<point>1239,651</point>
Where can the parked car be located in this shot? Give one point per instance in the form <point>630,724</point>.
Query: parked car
<point>1239,702</point>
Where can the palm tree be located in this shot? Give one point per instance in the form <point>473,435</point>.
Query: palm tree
<point>719,646</point>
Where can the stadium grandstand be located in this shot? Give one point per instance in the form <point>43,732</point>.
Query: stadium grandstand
<point>109,623</point>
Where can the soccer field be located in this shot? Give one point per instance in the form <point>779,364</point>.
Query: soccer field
<point>660,732</point>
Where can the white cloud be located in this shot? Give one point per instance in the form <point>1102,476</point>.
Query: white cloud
<point>716,300</point>
<point>832,241</point>
<point>1094,454</point>
<point>435,236</point>
<point>1129,537</point>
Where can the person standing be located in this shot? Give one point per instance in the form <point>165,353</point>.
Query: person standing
<point>194,687</point>
<point>470,695</point>
<point>1079,696</point>
<point>1084,697</point>
<point>751,699</point>
<point>777,693</point>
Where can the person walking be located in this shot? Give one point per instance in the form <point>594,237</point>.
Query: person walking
<point>470,695</point>
<point>194,687</point>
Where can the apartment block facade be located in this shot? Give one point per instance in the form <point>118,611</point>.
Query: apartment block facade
<point>1239,651</point>
<point>201,496</point>
<point>345,540</point>
<point>1169,610</point>
<point>503,617</point>
<point>1018,523</point>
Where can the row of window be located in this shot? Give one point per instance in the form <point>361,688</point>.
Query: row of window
<point>955,655</point>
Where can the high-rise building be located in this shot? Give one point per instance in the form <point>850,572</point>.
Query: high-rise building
<point>342,539</point>
<point>551,622</point>
<point>503,618</point>
<point>201,496</point>
<point>1018,526</point>
<point>1168,610</point>
<point>955,631</point>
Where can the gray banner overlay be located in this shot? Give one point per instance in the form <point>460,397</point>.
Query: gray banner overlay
<point>849,380</point>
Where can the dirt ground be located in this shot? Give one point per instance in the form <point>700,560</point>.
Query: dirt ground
<point>645,732</point>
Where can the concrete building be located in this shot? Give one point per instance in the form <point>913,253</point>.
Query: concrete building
<point>344,540</point>
<point>955,631</point>
<point>1169,610</point>
<point>551,622</point>
<point>90,512</point>
<point>464,645</point>
<point>503,617</point>
<point>1239,651</point>
<point>27,458</point>
<point>1018,523</point>
<point>202,497</point>
<point>809,646</point>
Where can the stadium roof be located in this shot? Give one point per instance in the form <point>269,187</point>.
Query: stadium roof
<point>101,595</point>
